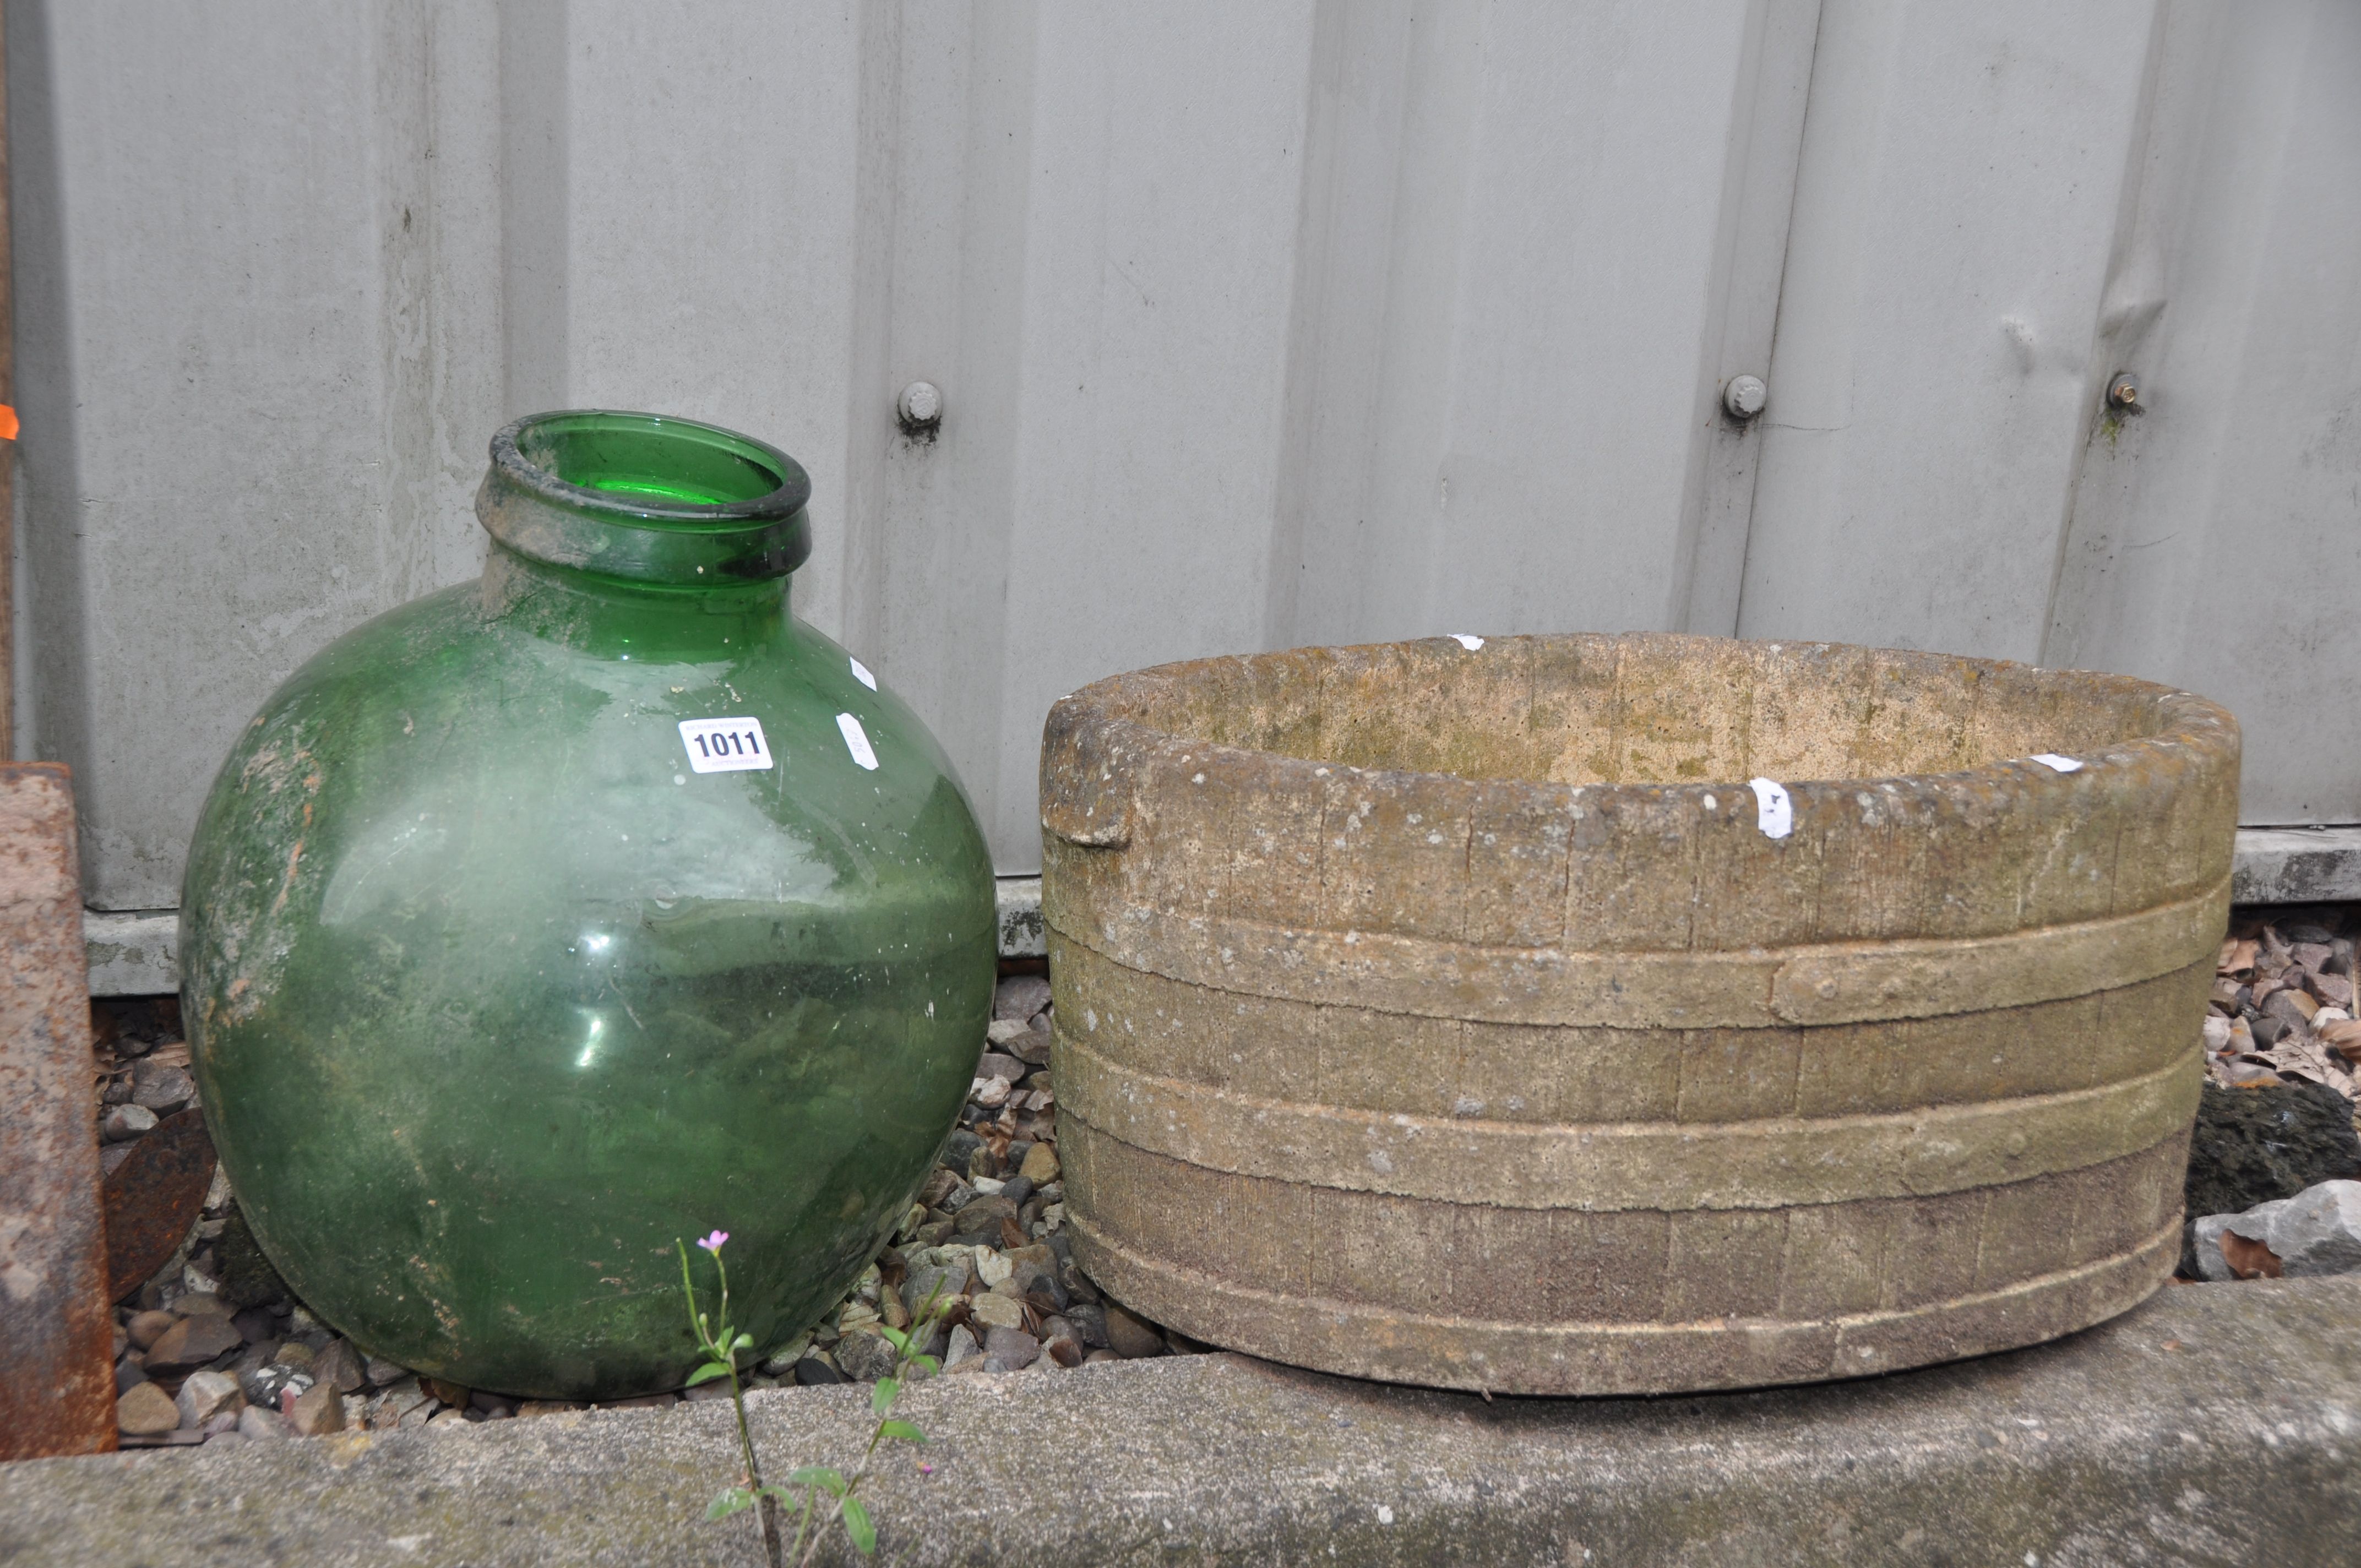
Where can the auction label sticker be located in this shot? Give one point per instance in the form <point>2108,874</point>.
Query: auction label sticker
<point>1774,812</point>
<point>856,740</point>
<point>2056,763</point>
<point>861,673</point>
<point>724,745</point>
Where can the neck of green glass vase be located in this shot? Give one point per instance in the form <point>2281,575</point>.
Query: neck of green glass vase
<point>613,618</point>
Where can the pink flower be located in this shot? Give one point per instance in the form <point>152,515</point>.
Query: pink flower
<point>712,1244</point>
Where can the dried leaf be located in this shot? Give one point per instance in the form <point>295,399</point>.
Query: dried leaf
<point>2299,1055</point>
<point>2344,1038</point>
<point>2238,957</point>
<point>2248,1259</point>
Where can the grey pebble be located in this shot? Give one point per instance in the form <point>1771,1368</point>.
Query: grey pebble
<point>864,1358</point>
<point>1014,1348</point>
<point>1020,996</point>
<point>2318,1230</point>
<point>1062,1342</point>
<point>160,1088</point>
<point>127,1122</point>
<point>1090,1321</point>
<point>815,1369</point>
<point>948,1280</point>
<point>257,1422</point>
<point>781,1363</point>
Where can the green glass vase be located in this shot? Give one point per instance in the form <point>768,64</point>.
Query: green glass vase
<point>552,918</point>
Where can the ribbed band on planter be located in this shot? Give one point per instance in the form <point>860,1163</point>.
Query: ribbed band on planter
<point>1423,1012</point>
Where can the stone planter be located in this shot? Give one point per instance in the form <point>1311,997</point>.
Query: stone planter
<point>1463,1016</point>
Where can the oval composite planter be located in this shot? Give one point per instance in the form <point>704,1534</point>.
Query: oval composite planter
<point>1452,1015</point>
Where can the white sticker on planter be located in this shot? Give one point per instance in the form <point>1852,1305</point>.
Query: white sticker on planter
<point>2056,763</point>
<point>861,673</point>
<point>1470,643</point>
<point>1774,812</point>
<point>856,740</point>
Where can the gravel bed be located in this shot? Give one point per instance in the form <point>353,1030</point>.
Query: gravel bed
<point>214,1348</point>
<point>2283,1005</point>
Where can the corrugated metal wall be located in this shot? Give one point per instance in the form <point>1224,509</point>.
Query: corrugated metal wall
<point>1257,323</point>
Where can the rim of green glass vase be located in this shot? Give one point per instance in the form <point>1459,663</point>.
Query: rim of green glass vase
<point>646,497</point>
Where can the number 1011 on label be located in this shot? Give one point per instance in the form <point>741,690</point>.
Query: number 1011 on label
<point>724,745</point>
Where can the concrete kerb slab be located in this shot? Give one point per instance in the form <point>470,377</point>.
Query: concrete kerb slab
<point>2215,1424</point>
<point>2296,865</point>
<point>135,952</point>
<point>132,952</point>
<point>1017,900</point>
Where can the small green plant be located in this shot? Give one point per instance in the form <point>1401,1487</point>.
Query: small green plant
<point>824,1490</point>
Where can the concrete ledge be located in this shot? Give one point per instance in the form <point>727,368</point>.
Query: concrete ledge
<point>1022,934</point>
<point>2216,1424</point>
<point>136,952</point>
<point>2296,865</point>
<point>133,952</point>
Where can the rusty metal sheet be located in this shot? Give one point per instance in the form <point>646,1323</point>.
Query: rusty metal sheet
<point>57,1387</point>
<point>153,1198</point>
